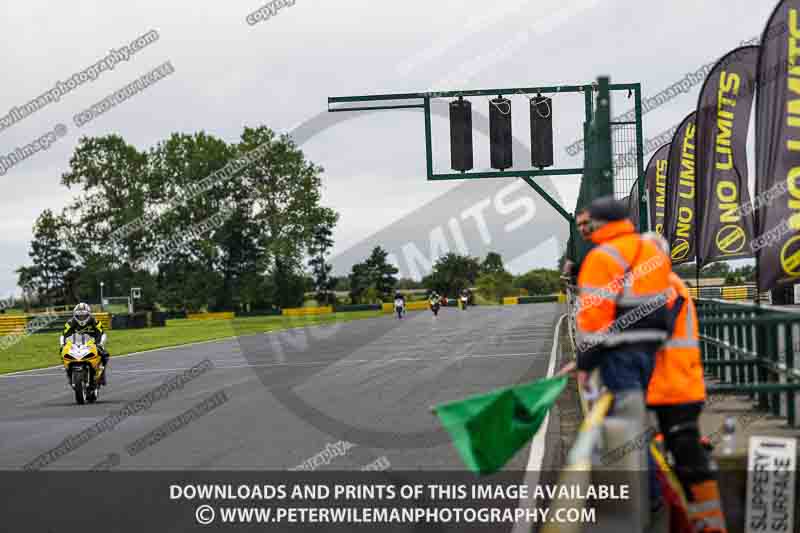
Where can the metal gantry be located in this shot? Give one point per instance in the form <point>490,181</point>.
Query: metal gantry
<point>597,124</point>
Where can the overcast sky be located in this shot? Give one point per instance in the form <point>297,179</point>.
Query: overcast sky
<point>279,72</point>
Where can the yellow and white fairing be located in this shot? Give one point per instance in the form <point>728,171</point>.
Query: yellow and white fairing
<point>80,348</point>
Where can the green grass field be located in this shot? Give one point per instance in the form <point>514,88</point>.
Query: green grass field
<point>41,350</point>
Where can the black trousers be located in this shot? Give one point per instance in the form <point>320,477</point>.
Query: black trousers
<point>681,430</point>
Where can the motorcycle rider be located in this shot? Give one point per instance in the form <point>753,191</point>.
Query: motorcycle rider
<point>399,304</point>
<point>435,302</point>
<point>83,321</point>
<point>464,299</point>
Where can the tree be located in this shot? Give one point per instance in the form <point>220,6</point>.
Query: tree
<point>359,282</point>
<point>452,273</point>
<point>321,243</point>
<point>539,281</point>
<point>116,187</point>
<point>493,264</point>
<point>495,285</point>
<point>733,279</point>
<point>209,223</point>
<point>746,272</point>
<point>26,280</point>
<point>719,269</point>
<point>374,279</point>
<point>341,283</point>
<point>53,263</point>
<point>288,283</point>
<point>382,273</point>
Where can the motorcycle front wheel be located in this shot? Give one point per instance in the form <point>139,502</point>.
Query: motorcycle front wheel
<point>78,386</point>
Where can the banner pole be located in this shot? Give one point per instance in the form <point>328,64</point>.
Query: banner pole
<point>697,278</point>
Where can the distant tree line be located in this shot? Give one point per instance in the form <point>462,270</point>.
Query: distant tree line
<point>267,248</point>
<point>257,256</point>
<point>719,269</point>
<point>374,280</point>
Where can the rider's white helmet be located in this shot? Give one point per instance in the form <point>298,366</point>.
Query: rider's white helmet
<point>82,313</point>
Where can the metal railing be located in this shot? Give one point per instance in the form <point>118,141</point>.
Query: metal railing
<point>750,349</point>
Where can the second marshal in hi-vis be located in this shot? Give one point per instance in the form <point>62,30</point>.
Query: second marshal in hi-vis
<point>723,119</point>
<point>777,242</point>
<point>679,211</point>
<point>656,182</point>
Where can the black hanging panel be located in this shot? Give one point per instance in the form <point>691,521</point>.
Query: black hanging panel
<point>542,132</point>
<point>500,133</point>
<point>461,135</point>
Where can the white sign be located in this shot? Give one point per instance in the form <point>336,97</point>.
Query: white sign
<point>797,293</point>
<point>771,466</point>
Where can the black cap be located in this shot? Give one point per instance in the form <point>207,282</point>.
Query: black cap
<point>608,209</point>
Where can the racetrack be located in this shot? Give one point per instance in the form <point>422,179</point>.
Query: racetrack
<point>284,398</point>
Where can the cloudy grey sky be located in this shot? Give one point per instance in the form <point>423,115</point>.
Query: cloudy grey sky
<point>279,72</point>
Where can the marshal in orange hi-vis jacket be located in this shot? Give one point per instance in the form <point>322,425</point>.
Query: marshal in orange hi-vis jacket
<point>624,290</point>
<point>678,374</point>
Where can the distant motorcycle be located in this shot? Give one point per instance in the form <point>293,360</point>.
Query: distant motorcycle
<point>435,304</point>
<point>399,307</point>
<point>84,367</point>
<point>463,301</point>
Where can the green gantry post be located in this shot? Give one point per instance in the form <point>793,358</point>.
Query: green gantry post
<point>644,221</point>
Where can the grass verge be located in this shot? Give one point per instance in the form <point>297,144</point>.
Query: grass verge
<point>41,350</point>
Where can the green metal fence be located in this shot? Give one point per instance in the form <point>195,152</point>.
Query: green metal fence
<point>750,349</point>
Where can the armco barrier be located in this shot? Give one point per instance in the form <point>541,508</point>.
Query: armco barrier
<point>547,298</point>
<point>12,325</point>
<point>410,306</point>
<point>228,315</point>
<point>734,293</point>
<point>15,324</point>
<point>259,312</point>
<point>737,293</point>
<point>307,311</point>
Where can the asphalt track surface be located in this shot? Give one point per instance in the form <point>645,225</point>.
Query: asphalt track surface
<point>287,397</point>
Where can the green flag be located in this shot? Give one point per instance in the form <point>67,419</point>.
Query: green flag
<point>488,429</point>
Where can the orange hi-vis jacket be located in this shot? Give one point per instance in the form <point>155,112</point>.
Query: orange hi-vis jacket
<point>678,374</point>
<point>623,291</point>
